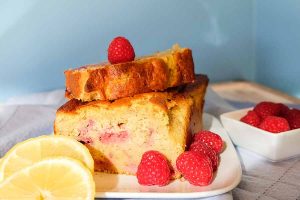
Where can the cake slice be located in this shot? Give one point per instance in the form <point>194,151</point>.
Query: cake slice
<point>118,132</point>
<point>106,81</point>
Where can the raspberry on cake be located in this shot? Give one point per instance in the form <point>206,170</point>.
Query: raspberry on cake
<point>120,50</point>
<point>118,132</point>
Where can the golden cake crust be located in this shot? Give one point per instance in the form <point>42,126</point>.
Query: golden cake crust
<point>151,73</point>
<point>197,91</point>
<point>159,99</point>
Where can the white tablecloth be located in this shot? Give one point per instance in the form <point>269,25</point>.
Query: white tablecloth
<point>33,115</point>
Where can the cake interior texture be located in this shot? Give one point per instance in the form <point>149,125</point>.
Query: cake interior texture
<point>117,133</point>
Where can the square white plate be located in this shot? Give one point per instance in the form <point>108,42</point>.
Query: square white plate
<point>274,147</point>
<point>226,178</point>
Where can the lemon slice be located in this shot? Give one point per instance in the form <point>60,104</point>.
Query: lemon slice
<point>53,178</point>
<point>33,150</point>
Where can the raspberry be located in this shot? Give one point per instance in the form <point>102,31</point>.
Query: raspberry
<point>264,109</point>
<point>120,50</point>
<point>213,140</point>
<point>251,118</point>
<point>283,110</point>
<point>153,169</point>
<point>200,147</point>
<point>274,124</point>
<point>195,167</point>
<point>293,117</point>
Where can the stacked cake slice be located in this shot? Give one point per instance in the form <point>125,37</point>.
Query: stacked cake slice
<point>119,111</point>
<point>157,72</point>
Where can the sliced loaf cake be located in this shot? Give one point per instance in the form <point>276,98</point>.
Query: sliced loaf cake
<point>118,132</point>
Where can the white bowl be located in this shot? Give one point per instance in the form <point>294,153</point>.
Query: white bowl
<point>275,147</point>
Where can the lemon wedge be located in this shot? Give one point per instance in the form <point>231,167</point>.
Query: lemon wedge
<point>53,178</point>
<point>33,150</point>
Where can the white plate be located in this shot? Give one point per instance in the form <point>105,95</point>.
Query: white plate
<point>226,178</point>
<point>274,147</point>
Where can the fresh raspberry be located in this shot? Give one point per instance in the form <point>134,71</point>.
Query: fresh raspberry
<point>195,167</point>
<point>293,117</point>
<point>274,124</point>
<point>153,169</point>
<point>213,140</point>
<point>200,147</point>
<point>283,110</point>
<point>120,50</point>
<point>251,118</point>
<point>264,109</point>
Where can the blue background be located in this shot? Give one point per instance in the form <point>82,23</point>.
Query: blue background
<point>231,40</point>
<point>278,44</point>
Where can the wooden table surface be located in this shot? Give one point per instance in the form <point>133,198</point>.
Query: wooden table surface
<point>245,91</point>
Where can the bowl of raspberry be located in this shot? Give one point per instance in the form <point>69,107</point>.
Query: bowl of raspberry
<point>269,129</point>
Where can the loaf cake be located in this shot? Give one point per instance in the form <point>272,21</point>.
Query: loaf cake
<point>118,132</point>
<point>106,81</point>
